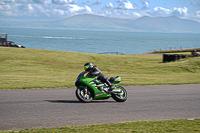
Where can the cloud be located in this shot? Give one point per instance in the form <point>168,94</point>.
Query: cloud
<point>61,2</point>
<point>6,10</point>
<point>161,11</point>
<point>8,1</point>
<point>88,9</point>
<point>38,1</point>
<point>5,7</point>
<point>58,9</point>
<point>77,9</point>
<point>27,7</point>
<point>98,2</point>
<point>197,14</point>
<point>145,4</point>
<point>110,5</point>
<point>180,11</point>
<point>126,5</point>
<point>59,12</point>
<point>37,9</point>
<point>124,14</point>
<point>123,9</point>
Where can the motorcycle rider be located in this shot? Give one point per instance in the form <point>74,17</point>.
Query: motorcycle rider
<point>94,71</point>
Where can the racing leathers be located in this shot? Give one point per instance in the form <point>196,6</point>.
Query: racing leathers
<point>103,78</point>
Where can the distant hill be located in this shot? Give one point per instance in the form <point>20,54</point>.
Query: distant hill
<point>93,22</point>
<point>167,24</point>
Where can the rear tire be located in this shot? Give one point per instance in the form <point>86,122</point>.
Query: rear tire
<point>120,97</point>
<point>84,95</point>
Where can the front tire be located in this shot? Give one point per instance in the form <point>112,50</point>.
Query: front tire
<point>120,97</point>
<point>84,95</point>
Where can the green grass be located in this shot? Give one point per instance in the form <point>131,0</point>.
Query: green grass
<point>166,126</point>
<point>31,68</point>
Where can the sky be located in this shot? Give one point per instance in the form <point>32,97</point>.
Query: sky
<point>47,10</point>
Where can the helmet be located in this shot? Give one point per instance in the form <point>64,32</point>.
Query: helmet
<point>88,66</point>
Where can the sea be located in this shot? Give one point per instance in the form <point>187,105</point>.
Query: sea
<point>100,42</point>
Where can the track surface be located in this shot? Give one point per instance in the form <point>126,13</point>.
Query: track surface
<point>37,108</point>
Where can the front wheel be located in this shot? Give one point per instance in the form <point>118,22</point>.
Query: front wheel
<point>84,95</point>
<point>120,97</point>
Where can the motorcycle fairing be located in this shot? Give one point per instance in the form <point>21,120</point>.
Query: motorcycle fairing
<point>91,83</point>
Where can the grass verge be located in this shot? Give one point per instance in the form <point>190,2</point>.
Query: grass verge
<point>33,68</point>
<point>165,126</point>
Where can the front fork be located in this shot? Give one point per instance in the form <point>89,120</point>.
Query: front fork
<point>84,92</point>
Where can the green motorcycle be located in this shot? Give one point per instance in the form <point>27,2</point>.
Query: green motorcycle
<point>89,89</point>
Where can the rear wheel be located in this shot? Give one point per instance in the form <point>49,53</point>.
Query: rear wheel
<point>120,97</point>
<point>84,95</point>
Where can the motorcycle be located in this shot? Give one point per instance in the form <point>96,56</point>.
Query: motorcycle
<point>89,89</point>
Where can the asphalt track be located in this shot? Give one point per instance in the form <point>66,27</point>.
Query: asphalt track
<point>38,108</point>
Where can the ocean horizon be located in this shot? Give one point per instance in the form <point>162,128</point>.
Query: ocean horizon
<point>108,42</point>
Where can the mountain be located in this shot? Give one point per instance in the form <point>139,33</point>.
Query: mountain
<point>168,24</point>
<point>94,22</point>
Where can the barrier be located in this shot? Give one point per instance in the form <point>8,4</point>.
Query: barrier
<point>173,57</point>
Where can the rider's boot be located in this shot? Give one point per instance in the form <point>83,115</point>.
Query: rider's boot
<point>111,87</point>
